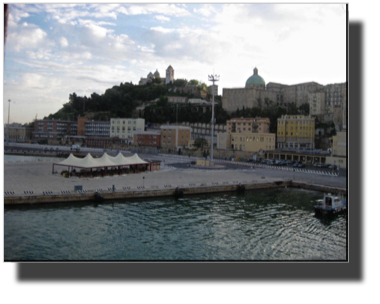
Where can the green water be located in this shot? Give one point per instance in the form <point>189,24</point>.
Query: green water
<point>257,225</point>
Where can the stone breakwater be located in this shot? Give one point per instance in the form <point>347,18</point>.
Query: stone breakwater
<point>169,191</point>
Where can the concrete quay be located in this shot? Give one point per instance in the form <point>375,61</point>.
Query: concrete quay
<point>26,182</point>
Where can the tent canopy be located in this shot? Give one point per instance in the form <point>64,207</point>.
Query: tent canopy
<point>104,161</point>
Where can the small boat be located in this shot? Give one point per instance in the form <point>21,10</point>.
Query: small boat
<point>98,197</point>
<point>330,205</point>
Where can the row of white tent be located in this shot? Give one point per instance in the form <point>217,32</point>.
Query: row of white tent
<point>105,161</point>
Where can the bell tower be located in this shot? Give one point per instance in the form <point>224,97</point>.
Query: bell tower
<point>169,74</point>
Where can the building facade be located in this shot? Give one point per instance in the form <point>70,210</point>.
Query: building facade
<point>97,128</point>
<point>123,127</point>
<point>329,103</point>
<point>248,125</point>
<point>16,132</point>
<point>147,139</point>
<point>175,137</point>
<point>53,130</point>
<point>253,142</point>
<point>295,132</point>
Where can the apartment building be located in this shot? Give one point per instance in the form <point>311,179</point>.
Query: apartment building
<point>253,142</point>
<point>124,127</point>
<point>248,125</point>
<point>97,128</point>
<point>53,130</point>
<point>152,139</point>
<point>175,137</point>
<point>295,132</point>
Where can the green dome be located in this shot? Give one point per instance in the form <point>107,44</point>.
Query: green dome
<point>255,79</point>
<point>156,74</point>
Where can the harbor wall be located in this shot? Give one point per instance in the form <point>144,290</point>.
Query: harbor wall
<point>118,194</point>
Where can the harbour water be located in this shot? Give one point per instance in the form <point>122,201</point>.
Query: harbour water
<point>255,226</point>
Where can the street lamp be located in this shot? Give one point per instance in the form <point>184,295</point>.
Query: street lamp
<point>212,78</point>
<point>9,109</point>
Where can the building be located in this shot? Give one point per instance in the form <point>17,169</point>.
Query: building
<point>223,141</point>
<point>97,128</point>
<point>53,131</point>
<point>213,89</point>
<point>123,127</point>
<point>175,137</point>
<point>248,125</point>
<point>339,150</point>
<point>257,94</point>
<point>295,132</point>
<point>149,77</point>
<point>329,103</point>
<point>81,125</point>
<point>145,139</point>
<point>16,132</point>
<point>252,142</point>
<point>177,99</point>
<point>169,74</point>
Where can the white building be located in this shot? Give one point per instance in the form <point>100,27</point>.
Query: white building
<point>123,127</point>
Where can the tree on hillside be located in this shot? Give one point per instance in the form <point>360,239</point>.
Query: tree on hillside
<point>193,82</point>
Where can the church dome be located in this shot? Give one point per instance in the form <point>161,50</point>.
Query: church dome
<point>156,74</point>
<point>255,80</point>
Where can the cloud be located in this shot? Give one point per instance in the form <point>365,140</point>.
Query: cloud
<point>163,9</point>
<point>162,18</point>
<point>206,10</point>
<point>27,36</point>
<point>64,42</point>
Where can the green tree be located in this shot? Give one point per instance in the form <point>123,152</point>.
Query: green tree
<point>193,82</point>
<point>199,143</point>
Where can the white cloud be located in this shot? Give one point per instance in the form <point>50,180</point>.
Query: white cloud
<point>206,10</point>
<point>162,30</point>
<point>28,36</point>
<point>64,42</point>
<point>163,9</point>
<point>162,18</point>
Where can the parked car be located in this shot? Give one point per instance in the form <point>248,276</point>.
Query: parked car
<point>316,164</point>
<point>289,162</point>
<point>301,166</point>
<point>296,164</point>
<point>271,162</point>
<point>264,161</point>
<point>332,167</point>
<point>283,163</point>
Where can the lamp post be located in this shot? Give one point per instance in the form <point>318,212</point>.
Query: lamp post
<point>212,78</point>
<point>9,109</point>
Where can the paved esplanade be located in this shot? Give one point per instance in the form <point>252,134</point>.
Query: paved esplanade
<point>37,177</point>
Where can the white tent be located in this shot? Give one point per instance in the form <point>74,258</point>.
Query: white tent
<point>105,161</point>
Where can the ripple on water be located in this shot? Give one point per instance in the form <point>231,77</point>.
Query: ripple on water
<point>258,225</point>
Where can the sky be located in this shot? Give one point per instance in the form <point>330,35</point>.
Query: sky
<point>54,50</point>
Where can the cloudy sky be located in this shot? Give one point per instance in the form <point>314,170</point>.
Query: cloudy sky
<point>53,50</point>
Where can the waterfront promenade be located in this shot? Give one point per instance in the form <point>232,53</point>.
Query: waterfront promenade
<point>175,172</point>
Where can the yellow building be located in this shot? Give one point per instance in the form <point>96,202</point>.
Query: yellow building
<point>17,133</point>
<point>253,142</point>
<point>175,137</point>
<point>295,132</point>
<point>248,125</point>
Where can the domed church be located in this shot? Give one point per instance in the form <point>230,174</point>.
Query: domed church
<point>255,80</point>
